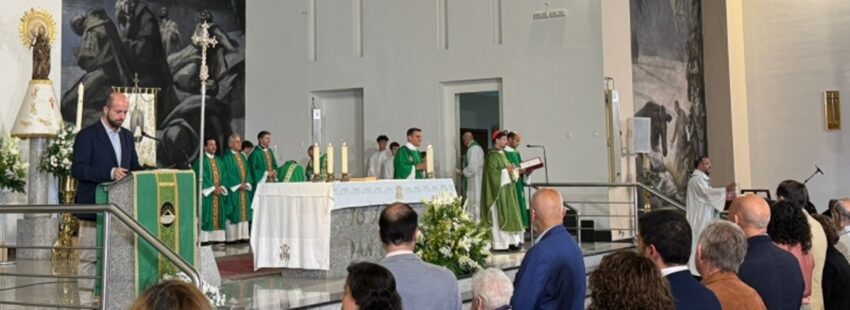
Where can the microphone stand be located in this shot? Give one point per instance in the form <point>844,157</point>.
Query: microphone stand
<point>813,175</point>
<point>545,160</point>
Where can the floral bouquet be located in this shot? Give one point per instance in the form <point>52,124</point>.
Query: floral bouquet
<point>12,167</point>
<point>213,294</point>
<point>58,156</point>
<point>450,238</point>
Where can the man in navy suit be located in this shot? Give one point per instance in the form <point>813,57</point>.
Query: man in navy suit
<point>664,236</point>
<point>103,152</point>
<point>774,273</point>
<point>552,274</point>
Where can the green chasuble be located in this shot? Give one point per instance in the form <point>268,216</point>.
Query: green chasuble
<point>213,209</point>
<point>503,198</point>
<point>290,172</point>
<point>260,162</point>
<point>234,167</point>
<point>515,158</point>
<point>323,167</point>
<point>405,160</point>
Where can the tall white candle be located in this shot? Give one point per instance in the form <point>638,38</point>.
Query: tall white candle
<point>344,159</point>
<point>330,156</point>
<point>80,95</point>
<point>429,159</point>
<point>316,164</point>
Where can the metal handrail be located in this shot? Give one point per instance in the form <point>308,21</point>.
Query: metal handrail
<point>652,191</point>
<point>124,218</point>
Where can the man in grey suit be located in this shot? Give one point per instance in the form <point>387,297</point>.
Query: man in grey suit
<point>420,284</point>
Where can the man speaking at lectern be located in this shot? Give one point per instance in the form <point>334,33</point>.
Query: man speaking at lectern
<point>103,152</point>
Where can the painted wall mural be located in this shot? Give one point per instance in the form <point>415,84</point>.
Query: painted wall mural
<point>667,65</point>
<point>110,43</point>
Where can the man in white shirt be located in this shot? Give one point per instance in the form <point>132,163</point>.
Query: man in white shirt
<point>704,203</point>
<point>377,159</point>
<point>387,165</point>
<point>841,215</point>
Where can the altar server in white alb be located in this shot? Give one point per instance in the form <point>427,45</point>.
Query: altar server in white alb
<point>704,203</point>
<point>473,169</point>
<point>376,160</point>
<point>387,166</point>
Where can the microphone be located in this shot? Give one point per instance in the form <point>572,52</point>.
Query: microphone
<point>545,159</point>
<point>818,170</point>
<point>535,146</point>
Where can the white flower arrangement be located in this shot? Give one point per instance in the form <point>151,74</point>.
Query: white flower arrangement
<point>450,238</point>
<point>213,294</point>
<point>59,155</point>
<point>13,169</point>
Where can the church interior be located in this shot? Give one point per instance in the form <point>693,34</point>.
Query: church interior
<point>630,97</point>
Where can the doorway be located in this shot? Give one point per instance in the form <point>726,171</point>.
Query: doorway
<point>342,121</point>
<point>467,104</point>
<point>479,114</point>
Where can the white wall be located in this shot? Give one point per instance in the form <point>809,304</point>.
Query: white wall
<point>551,71</point>
<point>795,50</point>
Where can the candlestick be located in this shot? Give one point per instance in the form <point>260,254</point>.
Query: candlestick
<point>429,159</point>
<point>330,156</point>
<point>344,159</point>
<point>80,95</point>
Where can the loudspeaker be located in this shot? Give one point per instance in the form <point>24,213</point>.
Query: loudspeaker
<point>638,135</point>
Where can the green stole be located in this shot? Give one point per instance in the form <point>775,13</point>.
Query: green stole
<point>323,167</point>
<point>405,159</point>
<point>465,185</point>
<point>290,172</point>
<point>261,162</point>
<point>213,214</point>
<point>503,198</point>
<point>515,158</point>
<point>236,172</point>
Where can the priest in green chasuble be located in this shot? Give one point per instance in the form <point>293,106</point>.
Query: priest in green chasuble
<point>323,164</point>
<point>515,158</point>
<point>408,163</point>
<point>237,180</point>
<point>213,207</point>
<point>262,161</point>
<point>499,205</point>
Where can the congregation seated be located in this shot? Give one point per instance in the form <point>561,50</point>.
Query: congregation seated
<point>370,286</point>
<point>627,280</point>
<point>720,250</point>
<point>790,231</point>
<point>664,236</point>
<point>552,273</point>
<point>772,272</point>
<point>491,290</point>
<point>836,270</point>
<point>421,285</point>
<point>172,295</point>
<point>841,214</point>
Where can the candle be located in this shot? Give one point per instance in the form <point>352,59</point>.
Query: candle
<point>429,159</point>
<point>316,164</point>
<point>330,156</point>
<point>344,159</point>
<point>80,95</point>
<point>276,153</point>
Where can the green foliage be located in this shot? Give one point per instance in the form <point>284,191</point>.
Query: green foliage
<point>450,238</point>
<point>59,155</point>
<point>12,167</point>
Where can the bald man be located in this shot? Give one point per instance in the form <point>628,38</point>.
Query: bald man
<point>771,271</point>
<point>841,215</point>
<point>552,274</point>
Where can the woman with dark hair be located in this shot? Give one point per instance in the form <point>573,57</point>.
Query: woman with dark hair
<point>836,271</point>
<point>626,280</point>
<point>790,231</point>
<point>797,195</point>
<point>172,295</point>
<point>370,286</point>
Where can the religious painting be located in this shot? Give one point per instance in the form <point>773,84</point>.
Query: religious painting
<point>667,66</point>
<point>148,43</point>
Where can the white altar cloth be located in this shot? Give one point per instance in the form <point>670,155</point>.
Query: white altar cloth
<point>292,221</point>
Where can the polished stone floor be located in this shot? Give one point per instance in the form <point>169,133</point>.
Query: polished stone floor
<point>266,292</point>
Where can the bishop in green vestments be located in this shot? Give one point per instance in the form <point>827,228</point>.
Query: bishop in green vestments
<point>407,163</point>
<point>515,158</point>
<point>323,165</point>
<point>262,161</point>
<point>213,208</point>
<point>237,179</point>
<point>499,205</point>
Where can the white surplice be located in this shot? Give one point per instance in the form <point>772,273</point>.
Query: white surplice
<point>388,168</point>
<point>474,174</point>
<point>376,161</point>
<point>704,203</point>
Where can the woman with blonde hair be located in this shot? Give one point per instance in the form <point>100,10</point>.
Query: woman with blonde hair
<point>626,280</point>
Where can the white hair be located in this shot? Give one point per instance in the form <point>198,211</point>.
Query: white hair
<point>494,287</point>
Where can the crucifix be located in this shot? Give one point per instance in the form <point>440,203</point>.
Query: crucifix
<point>204,41</point>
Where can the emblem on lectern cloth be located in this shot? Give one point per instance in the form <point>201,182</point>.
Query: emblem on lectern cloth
<point>399,193</point>
<point>166,214</point>
<point>284,252</point>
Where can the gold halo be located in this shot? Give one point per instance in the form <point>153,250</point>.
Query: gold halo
<point>30,22</point>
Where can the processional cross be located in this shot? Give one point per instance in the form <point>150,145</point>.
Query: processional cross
<point>204,41</point>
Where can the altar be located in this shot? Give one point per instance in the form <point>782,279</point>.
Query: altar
<point>317,229</point>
